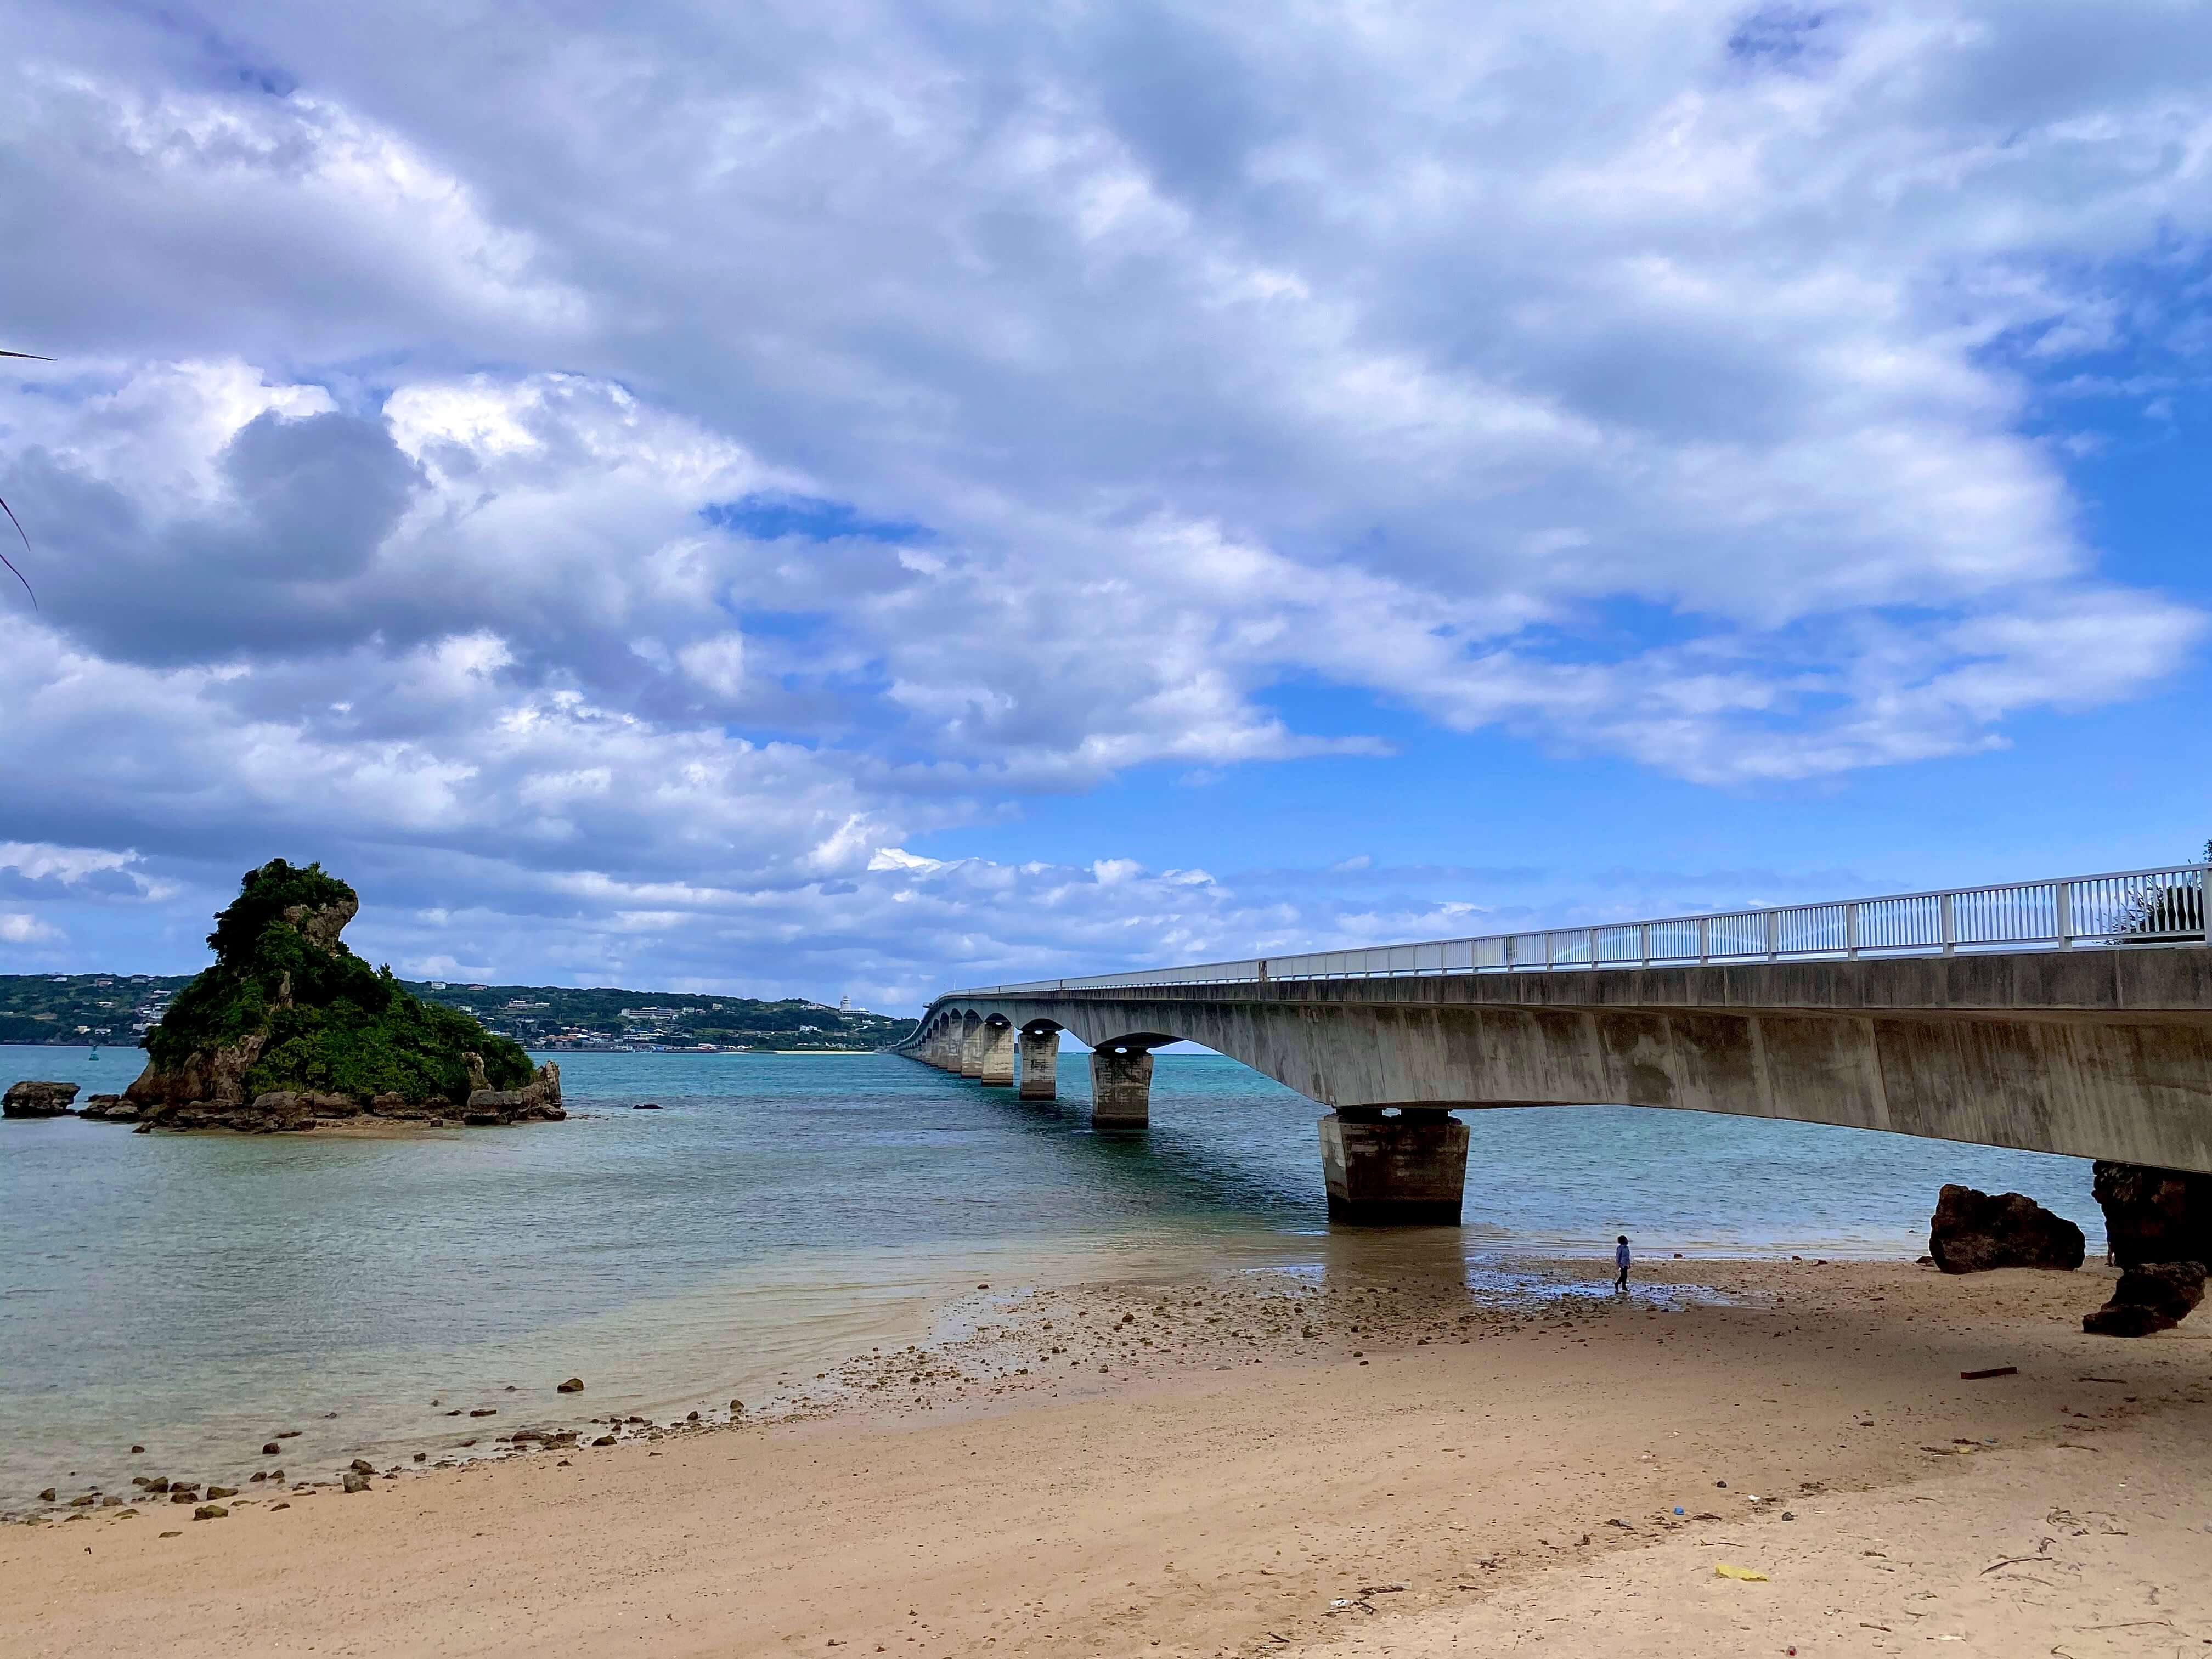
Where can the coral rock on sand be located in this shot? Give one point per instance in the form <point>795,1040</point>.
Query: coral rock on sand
<point>33,1098</point>
<point>2154,1297</point>
<point>1973,1233</point>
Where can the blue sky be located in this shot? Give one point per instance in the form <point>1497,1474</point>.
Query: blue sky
<point>770,499</point>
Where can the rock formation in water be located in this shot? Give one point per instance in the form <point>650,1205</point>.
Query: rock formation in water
<point>33,1098</point>
<point>2159,1226</point>
<point>1972,1232</point>
<point>289,1029</point>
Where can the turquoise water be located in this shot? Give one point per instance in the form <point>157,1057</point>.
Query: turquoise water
<point>197,1293</point>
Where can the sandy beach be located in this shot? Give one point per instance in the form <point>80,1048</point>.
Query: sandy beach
<point>1366,1460</point>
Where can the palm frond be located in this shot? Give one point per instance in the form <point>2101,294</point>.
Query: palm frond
<point>35,357</point>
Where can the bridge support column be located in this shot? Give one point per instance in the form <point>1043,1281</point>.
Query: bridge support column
<point>1040,1064</point>
<point>995,1068</point>
<point>1407,1170</point>
<point>971,1049</point>
<point>1121,1088</point>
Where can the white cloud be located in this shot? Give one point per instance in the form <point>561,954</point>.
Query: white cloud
<point>1661,383</point>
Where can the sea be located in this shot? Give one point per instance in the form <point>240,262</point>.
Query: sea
<point>198,1294</point>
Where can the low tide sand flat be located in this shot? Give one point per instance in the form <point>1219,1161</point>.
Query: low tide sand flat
<point>1255,1463</point>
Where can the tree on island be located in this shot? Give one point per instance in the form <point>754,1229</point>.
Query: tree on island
<point>289,1025</point>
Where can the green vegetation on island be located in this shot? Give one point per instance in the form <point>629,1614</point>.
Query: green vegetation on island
<point>327,1020</point>
<point>289,1025</point>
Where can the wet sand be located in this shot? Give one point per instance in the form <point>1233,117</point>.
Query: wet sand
<point>1368,1458</point>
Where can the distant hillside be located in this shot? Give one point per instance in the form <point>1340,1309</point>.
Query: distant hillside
<point>554,1016</point>
<point>84,1007</point>
<point>118,1008</point>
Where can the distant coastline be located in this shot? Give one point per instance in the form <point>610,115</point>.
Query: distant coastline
<point>99,1010</point>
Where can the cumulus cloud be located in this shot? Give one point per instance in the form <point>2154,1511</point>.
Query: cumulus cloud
<point>582,466</point>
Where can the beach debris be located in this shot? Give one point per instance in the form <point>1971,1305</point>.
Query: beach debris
<point>1747,1575</point>
<point>172,1535</point>
<point>573,1385</point>
<point>1993,1370</point>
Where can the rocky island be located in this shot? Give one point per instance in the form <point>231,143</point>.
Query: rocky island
<point>289,1029</point>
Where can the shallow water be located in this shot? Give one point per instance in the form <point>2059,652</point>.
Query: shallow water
<point>196,1294</point>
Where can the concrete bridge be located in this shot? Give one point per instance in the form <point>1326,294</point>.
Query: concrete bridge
<point>2071,1016</point>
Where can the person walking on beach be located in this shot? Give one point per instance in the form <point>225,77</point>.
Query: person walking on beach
<point>1620,1260</point>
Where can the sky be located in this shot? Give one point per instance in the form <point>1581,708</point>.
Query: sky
<point>864,499</point>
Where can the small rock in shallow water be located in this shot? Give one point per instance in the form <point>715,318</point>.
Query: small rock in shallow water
<point>271,1449</point>
<point>573,1385</point>
<point>604,1440</point>
<point>361,1466</point>
<point>485,1411</point>
<point>137,1448</point>
<point>221,1492</point>
<point>47,1496</point>
<point>422,1457</point>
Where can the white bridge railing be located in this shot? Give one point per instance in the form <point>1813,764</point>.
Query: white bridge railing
<point>2131,907</point>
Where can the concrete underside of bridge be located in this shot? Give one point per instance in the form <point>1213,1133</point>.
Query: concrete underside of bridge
<point>2101,1054</point>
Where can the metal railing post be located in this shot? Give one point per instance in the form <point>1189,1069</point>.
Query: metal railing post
<point>1851,929</point>
<point>1948,922</point>
<point>2065,915</point>
<point>1773,934</point>
<point>1705,939</point>
<point>1643,944</point>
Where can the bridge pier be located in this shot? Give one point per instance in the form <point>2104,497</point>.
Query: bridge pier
<point>994,1066</point>
<point>1040,1064</point>
<point>971,1048</point>
<point>1406,1170</point>
<point>1121,1088</point>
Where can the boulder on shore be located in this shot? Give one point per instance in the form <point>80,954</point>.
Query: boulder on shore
<point>32,1097</point>
<point>109,1109</point>
<point>2154,1297</point>
<point>1972,1232</point>
<point>2155,1215</point>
